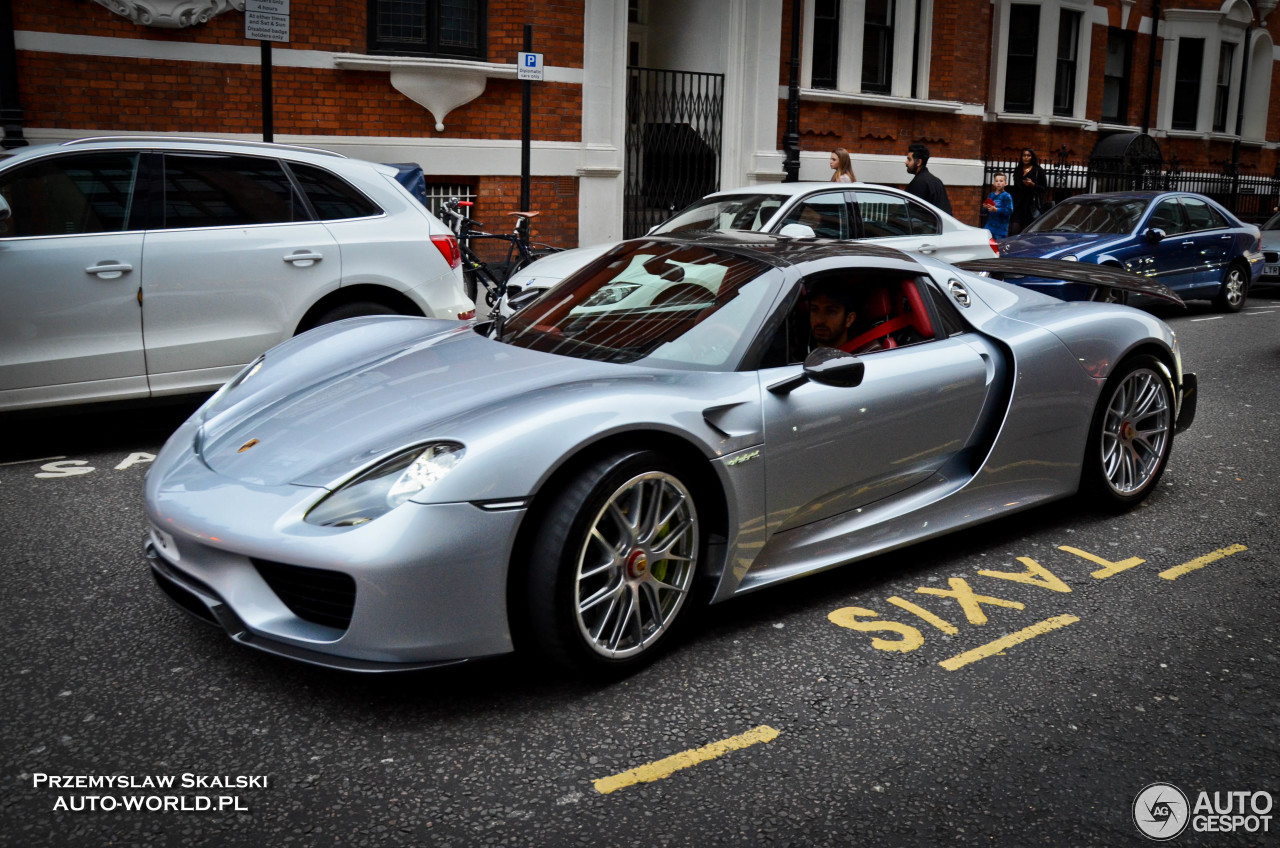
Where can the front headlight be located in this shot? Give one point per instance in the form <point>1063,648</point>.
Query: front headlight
<point>385,486</point>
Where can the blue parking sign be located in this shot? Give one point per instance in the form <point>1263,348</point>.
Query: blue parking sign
<point>529,66</point>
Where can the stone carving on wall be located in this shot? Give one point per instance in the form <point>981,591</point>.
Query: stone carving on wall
<point>171,14</point>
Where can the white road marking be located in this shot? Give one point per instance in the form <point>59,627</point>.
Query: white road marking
<point>30,461</point>
<point>1210,318</point>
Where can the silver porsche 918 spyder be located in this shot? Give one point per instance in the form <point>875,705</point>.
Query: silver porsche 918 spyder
<point>400,493</point>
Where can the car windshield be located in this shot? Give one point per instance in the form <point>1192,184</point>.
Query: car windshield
<point>1103,215</point>
<point>672,305</point>
<point>738,212</point>
<point>1273,224</point>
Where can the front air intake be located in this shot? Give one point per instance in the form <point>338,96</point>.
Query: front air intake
<point>312,594</point>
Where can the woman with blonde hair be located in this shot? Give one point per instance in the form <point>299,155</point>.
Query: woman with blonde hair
<point>841,168</point>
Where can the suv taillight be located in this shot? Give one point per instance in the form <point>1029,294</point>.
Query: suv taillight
<point>995,248</point>
<point>448,247</point>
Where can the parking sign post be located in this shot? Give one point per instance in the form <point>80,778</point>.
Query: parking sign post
<point>267,21</point>
<point>529,66</point>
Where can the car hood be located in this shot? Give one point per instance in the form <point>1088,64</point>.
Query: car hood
<point>1054,245</point>
<point>550,270</point>
<point>318,430</point>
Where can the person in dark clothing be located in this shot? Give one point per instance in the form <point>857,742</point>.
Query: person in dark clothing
<point>1028,188</point>
<point>925,185</point>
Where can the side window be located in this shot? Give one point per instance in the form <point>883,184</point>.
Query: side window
<point>883,215</point>
<point>952,323</point>
<point>862,312</point>
<point>332,197</point>
<point>227,191</point>
<point>1201,216</point>
<point>923,222</point>
<point>70,195</point>
<point>1167,217</point>
<point>826,214</point>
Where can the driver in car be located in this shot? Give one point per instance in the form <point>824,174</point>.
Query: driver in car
<point>832,311</point>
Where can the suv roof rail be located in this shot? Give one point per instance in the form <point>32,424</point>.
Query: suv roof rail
<point>197,140</point>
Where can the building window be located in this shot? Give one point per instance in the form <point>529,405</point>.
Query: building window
<point>1115,76</point>
<point>1222,97</point>
<point>428,27</point>
<point>1020,66</point>
<point>1064,81</point>
<point>877,47</point>
<point>1186,83</point>
<point>826,43</point>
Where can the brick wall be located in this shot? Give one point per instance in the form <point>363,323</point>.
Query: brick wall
<point>143,95</point>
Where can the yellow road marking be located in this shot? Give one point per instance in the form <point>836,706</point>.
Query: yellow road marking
<point>1109,568</point>
<point>670,765</point>
<point>999,645</point>
<point>943,625</point>
<point>1200,562</point>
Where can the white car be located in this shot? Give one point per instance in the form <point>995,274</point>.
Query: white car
<point>854,211</point>
<point>138,267</point>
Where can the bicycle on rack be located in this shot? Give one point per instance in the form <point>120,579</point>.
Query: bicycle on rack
<point>521,250</point>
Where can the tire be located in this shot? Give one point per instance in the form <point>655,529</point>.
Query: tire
<point>1234,291</point>
<point>357,309</point>
<point>1130,436</point>
<point>613,570</point>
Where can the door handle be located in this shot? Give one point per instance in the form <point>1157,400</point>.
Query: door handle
<point>109,270</point>
<point>1187,243</point>
<point>926,248</point>
<point>304,258</point>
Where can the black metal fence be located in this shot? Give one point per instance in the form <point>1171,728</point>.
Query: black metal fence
<point>1250,196</point>
<point>674,129</point>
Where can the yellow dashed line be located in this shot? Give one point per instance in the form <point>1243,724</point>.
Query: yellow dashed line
<point>670,765</point>
<point>1200,562</point>
<point>999,645</point>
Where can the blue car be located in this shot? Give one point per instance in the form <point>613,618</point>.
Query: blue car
<point>1186,241</point>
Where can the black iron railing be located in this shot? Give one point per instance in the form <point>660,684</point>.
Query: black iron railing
<point>1250,196</point>
<point>674,129</point>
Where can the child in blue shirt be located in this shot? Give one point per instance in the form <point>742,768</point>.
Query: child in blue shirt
<point>999,206</point>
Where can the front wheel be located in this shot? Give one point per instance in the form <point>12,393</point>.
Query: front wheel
<point>1235,288</point>
<point>614,567</point>
<point>1131,435</point>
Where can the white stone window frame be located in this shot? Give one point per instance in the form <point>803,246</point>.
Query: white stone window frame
<point>1257,88</point>
<point>1046,60</point>
<point>853,15</point>
<point>1228,23</point>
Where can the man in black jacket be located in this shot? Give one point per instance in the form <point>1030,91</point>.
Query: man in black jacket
<point>925,185</point>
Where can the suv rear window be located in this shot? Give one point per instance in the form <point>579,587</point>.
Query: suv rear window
<point>215,190</point>
<point>331,196</point>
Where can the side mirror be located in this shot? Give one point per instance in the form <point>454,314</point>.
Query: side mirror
<point>797,231</point>
<point>5,211</point>
<point>524,297</point>
<point>834,367</point>
<point>1154,234</point>
<point>829,366</point>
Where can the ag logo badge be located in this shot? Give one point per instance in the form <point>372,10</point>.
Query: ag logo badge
<point>1161,811</point>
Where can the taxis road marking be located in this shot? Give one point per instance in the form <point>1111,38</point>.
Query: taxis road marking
<point>1200,562</point>
<point>670,765</point>
<point>998,646</point>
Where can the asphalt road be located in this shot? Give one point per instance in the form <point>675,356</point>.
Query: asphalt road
<point>1112,677</point>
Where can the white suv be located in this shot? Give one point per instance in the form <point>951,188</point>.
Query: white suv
<point>136,267</point>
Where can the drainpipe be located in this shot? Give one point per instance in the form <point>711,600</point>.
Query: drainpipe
<point>791,139</point>
<point>10,103</point>
<point>1244,80</point>
<point>1151,67</point>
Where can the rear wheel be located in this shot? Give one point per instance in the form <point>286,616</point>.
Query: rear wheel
<point>357,309</point>
<point>1130,436</point>
<point>613,569</point>
<point>1234,291</point>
